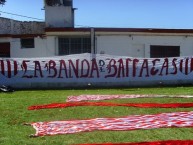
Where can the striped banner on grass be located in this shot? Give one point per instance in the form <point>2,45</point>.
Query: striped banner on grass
<point>133,122</point>
<point>110,97</point>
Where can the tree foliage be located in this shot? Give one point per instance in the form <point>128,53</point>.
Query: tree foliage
<point>2,2</point>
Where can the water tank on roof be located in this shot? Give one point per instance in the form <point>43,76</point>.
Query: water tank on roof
<point>52,2</point>
<point>59,13</point>
<point>58,2</point>
<point>67,2</point>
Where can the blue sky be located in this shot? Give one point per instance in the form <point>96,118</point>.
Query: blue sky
<point>115,13</point>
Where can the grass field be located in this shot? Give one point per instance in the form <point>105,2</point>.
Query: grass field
<point>13,111</point>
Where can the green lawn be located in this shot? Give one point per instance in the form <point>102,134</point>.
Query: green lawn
<point>13,111</point>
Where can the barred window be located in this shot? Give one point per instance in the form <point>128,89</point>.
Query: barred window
<point>74,45</point>
<point>159,51</point>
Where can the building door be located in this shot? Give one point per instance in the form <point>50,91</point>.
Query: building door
<point>5,49</point>
<point>138,50</point>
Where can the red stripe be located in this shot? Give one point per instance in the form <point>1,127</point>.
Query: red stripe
<point>186,67</point>
<point>2,67</point>
<point>15,67</point>
<point>140,105</point>
<point>9,68</point>
<point>173,142</point>
<point>181,65</point>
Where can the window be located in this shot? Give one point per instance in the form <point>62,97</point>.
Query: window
<point>27,42</point>
<point>5,49</point>
<point>159,51</point>
<point>74,45</point>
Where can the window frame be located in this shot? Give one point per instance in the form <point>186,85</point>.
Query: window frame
<point>164,51</point>
<point>69,45</point>
<point>27,46</point>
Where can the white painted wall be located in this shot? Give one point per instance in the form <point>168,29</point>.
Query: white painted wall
<point>133,46</point>
<point>51,45</point>
<point>44,47</point>
<point>139,46</point>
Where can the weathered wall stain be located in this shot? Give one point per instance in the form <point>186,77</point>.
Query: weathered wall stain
<point>9,26</point>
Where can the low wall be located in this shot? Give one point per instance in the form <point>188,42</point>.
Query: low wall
<point>10,26</point>
<point>86,70</point>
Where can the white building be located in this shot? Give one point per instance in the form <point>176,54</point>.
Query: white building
<point>29,42</point>
<point>57,36</point>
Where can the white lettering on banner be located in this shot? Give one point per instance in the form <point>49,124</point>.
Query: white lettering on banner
<point>97,68</point>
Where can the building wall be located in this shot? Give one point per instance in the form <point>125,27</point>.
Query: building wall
<point>10,26</point>
<point>51,46</point>
<point>44,47</point>
<point>17,51</point>
<point>139,46</point>
<point>133,46</point>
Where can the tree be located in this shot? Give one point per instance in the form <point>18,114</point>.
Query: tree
<point>2,2</point>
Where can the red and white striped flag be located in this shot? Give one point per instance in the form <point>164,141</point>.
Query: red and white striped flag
<point>110,97</point>
<point>163,120</point>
